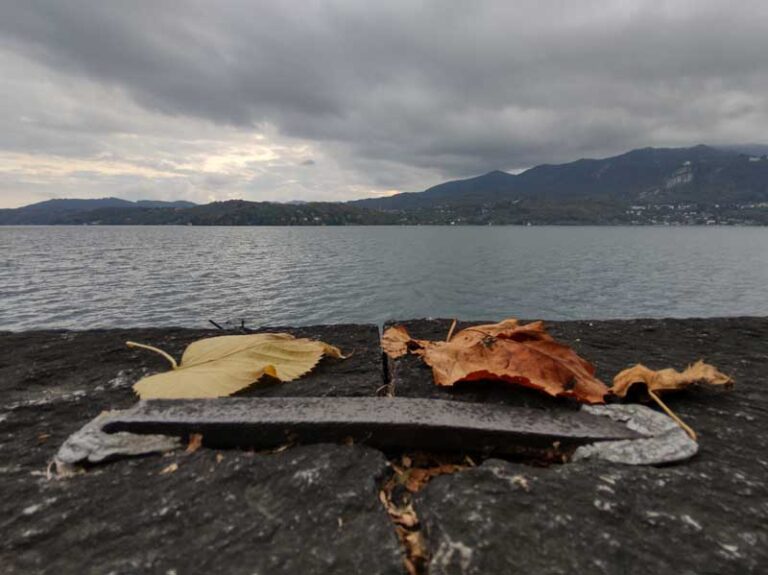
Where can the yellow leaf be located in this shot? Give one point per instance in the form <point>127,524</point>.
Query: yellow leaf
<point>221,366</point>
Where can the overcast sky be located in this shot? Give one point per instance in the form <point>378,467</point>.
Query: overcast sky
<point>207,100</point>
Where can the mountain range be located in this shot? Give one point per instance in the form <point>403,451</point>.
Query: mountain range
<point>701,174</point>
<point>60,210</point>
<point>702,184</point>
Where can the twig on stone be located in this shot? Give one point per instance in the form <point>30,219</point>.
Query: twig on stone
<point>133,344</point>
<point>388,388</point>
<point>450,331</point>
<point>691,433</point>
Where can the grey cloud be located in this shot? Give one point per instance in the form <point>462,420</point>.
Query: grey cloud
<point>396,91</point>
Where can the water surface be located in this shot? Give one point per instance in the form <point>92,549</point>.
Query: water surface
<point>85,277</point>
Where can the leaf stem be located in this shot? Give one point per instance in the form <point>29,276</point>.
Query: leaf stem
<point>133,344</point>
<point>691,433</point>
<point>450,331</point>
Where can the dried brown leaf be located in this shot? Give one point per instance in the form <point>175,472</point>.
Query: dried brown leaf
<point>507,351</point>
<point>414,471</point>
<point>669,379</point>
<point>195,442</point>
<point>394,341</point>
<point>417,477</point>
<point>406,518</point>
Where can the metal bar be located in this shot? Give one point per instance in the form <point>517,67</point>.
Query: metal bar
<point>379,422</point>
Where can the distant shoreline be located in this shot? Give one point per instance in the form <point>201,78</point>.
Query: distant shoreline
<point>700,185</point>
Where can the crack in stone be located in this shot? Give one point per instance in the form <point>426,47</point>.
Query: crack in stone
<point>407,526</point>
<point>410,473</point>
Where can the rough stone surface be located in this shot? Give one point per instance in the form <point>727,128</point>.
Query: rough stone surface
<point>707,515</point>
<point>596,518</point>
<point>310,509</point>
<point>315,508</point>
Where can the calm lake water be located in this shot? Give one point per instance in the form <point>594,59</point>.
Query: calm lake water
<point>85,277</point>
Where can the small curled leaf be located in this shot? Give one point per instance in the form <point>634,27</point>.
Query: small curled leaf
<point>668,379</point>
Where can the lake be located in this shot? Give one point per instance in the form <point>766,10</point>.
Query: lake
<point>87,277</point>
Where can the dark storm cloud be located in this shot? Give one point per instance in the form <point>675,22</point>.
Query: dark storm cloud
<point>454,88</point>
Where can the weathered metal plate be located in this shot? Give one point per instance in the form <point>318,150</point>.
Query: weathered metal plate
<point>379,422</point>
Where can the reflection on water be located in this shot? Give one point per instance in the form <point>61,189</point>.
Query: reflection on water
<point>83,277</point>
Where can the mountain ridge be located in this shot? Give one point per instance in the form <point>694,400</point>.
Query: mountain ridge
<point>50,210</point>
<point>699,184</point>
<point>696,174</point>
